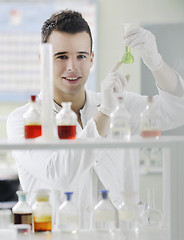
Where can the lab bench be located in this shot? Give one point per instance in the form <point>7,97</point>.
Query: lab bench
<point>173,170</point>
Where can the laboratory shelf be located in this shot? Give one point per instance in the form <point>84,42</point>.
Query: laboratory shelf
<point>173,168</point>
<point>134,142</point>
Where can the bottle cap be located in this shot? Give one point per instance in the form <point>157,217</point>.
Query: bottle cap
<point>33,98</point>
<point>68,195</point>
<point>42,195</point>
<point>104,193</point>
<point>21,195</point>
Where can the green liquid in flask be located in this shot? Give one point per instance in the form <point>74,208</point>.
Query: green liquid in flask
<point>127,57</point>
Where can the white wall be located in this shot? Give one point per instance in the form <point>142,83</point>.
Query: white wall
<point>112,14</point>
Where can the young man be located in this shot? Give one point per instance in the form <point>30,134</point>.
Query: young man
<point>85,172</point>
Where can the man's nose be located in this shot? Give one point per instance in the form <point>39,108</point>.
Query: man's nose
<point>71,64</point>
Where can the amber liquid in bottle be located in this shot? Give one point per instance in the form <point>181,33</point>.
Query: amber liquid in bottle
<point>32,131</point>
<point>43,226</point>
<point>67,132</point>
<point>151,133</point>
<point>22,218</point>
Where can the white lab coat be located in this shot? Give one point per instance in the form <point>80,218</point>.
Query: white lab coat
<point>86,171</point>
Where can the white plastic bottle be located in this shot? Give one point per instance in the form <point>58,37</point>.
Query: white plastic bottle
<point>22,212</point>
<point>149,121</point>
<point>104,214</point>
<point>68,220</point>
<point>42,212</point>
<point>32,120</point>
<point>66,121</point>
<point>120,121</point>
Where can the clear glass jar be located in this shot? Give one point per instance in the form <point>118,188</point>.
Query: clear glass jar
<point>32,120</point>
<point>42,212</point>
<point>22,212</point>
<point>120,126</point>
<point>66,121</point>
<point>150,121</point>
<point>129,213</point>
<point>104,214</point>
<point>152,216</point>
<point>68,215</point>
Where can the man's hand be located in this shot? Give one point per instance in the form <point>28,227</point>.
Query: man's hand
<point>144,41</point>
<point>112,86</point>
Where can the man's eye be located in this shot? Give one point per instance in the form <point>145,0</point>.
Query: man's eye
<point>61,57</point>
<point>81,56</point>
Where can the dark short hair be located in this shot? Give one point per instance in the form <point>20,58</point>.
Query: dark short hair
<point>65,21</point>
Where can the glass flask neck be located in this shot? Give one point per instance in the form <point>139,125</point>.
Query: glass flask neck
<point>151,198</point>
<point>127,49</point>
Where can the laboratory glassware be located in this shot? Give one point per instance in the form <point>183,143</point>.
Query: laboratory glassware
<point>152,216</point>
<point>5,218</point>
<point>104,214</point>
<point>22,212</point>
<point>32,120</point>
<point>68,215</point>
<point>66,121</point>
<point>127,57</point>
<point>120,121</point>
<point>150,121</point>
<point>42,212</point>
<point>129,213</point>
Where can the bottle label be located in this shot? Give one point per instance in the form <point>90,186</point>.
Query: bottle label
<point>120,132</point>
<point>22,218</point>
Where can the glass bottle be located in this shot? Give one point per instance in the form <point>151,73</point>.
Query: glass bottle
<point>150,121</point>
<point>104,214</point>
<point>22,212</point>
<point>127,57</point>
<point>66,121</point>
<point>42,212</point>
<point>68,215</point>
<point>129,213</point>
<point>120,121</point>
<point>32,120</point>
<point>152,216</point>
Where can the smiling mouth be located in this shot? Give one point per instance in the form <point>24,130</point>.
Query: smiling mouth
<point>71,78</point>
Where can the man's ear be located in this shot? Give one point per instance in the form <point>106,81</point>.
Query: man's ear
<point>92,58</point>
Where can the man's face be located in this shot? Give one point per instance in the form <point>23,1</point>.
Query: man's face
<point>72,62</point>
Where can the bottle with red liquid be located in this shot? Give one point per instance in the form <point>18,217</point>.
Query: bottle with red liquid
<point>22,212</point>
<point>150,121</point>
<point>66,121</point>
<point>32,120</point>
